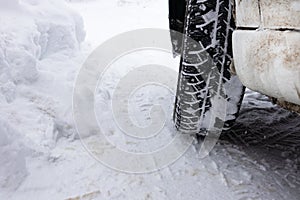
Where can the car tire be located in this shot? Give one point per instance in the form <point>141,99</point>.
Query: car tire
<point>211,24</point>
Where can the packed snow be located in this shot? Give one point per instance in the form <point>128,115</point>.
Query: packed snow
<point>43,44</point>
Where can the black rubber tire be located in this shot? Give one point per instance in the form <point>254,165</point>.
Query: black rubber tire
<point>211,23</point>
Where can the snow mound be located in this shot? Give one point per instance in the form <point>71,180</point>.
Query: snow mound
<point>30,31</point>
<point>37,38</point>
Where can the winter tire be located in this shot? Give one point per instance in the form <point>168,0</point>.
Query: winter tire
<point>211,23</point>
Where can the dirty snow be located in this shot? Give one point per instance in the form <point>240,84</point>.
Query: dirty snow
<point>42,47</point>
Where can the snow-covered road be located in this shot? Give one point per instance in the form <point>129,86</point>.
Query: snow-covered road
<point>42,158</point>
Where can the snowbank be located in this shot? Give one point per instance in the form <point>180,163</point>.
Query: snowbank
<point>30,31</point>
<point>38,40</point>
<point>36,36</point>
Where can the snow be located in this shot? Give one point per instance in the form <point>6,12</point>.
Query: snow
<point>12,157</point>
<point>42,47</point>
<point>35,37</point>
